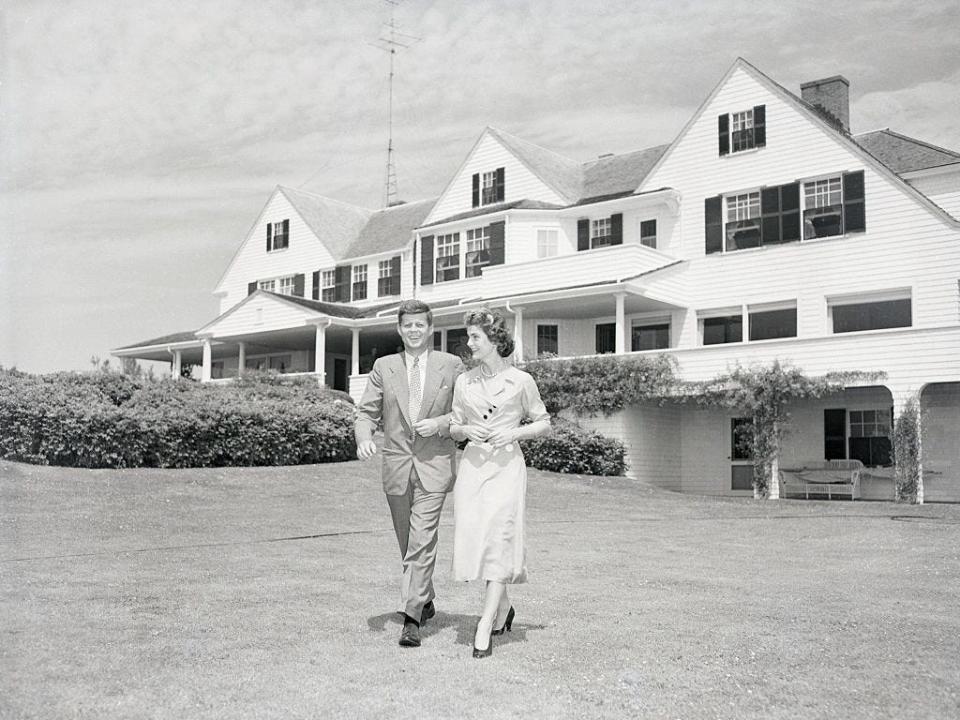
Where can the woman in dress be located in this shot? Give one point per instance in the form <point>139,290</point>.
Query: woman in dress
<point>489,403</point>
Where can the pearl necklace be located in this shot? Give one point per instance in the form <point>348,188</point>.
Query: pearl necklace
<point>483,371</point>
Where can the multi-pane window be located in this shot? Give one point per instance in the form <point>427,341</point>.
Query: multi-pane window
<point>870,437</point>
<point>719,330</point>
<point>388,277</point>
<point>548,339</point>
<point>360,282</point>
<point>648,233</point>
<point>328,285</point>
<point>650,337</point>
<point>547,243</point>
<point>278,235</point>
<point>876,315</point>
<point>772,324</point>
<point>822,208</point>
<point>489,188</point>
<point>743,221</point>
<point>448,257</point>
<point>478,251</point>
<point>741,136</point>
<point>267,285</point>
<point>601,232</point>
<point>286,285</point>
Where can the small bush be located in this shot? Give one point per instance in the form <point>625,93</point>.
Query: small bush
<point>108,420</point>
<point>568,448</point>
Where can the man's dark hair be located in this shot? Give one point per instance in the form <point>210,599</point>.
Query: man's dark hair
<point>414,307</point>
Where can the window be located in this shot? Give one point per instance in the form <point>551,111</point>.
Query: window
<point>743,221</point>
<point>600,233</point>
<point>457,343</point>
<point>488,187</point>
<point>606,338</point>
<point>648,233</point>
<point>280,363</point>
<point>216,370</point>
<point>870,437</point>
<point>388,277</point>
<point>876,315</point>
<point>720,330</point>
<point>833,206</point>
<point>278,235</point>
<point>359,282</point>
<point>328,285</point>
<point>267,285</point>
<point>742,130</point>
<point>547,243</point>
<point>773,323</point>
<point>741,454</point>
<point>548,340</point>
<point>286,285</point>
<point>478,251</point>
<point>448,257</point>
<point>650,337</point>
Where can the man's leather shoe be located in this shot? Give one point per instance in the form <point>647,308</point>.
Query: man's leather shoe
<point>410,636</point>
<point>429,610</point>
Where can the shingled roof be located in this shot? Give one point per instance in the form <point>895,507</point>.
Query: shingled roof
<point>337,224</point>
<point>904,154</point>
<point>389,229</point>
<point>562,174</point>
<point>618,174</point>
<point>172,339</point>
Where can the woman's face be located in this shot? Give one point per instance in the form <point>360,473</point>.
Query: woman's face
<point>479,343</point>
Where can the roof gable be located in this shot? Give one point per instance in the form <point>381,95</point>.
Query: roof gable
<point>559,172</point>
<point>390,229</point>
<point>336,224</point>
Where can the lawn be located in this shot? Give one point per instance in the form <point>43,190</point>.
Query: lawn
<point>269,593</point>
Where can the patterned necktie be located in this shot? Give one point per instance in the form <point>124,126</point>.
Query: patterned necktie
<point>415,389</point>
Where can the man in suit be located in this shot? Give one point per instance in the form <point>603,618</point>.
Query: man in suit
<point>410,393</point>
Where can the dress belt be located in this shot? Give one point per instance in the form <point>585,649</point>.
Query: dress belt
<point>488,447</point>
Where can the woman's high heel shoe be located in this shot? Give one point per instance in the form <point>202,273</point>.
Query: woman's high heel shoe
<point>477,652</point>
<point>507,625</point>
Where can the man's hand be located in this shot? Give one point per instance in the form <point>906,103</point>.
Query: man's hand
<point>426,427</point>
<point>500,438</point>
<point>366,450</point>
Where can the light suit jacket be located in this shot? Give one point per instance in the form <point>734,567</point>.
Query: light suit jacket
<point>386,400</point>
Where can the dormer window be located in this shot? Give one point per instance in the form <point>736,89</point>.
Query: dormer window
<point>278,235</point>
<point>488,187</point>
<point>743,130</point>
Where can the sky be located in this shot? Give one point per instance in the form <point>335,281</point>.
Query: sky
<point>140,140</point>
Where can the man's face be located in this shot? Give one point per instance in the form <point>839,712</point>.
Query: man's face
<point>415,331</point>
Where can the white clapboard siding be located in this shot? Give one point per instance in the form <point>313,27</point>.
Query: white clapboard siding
<point>943,189</point>
<point>304,254</point>
<point>488,155</point>
<point>941,451</point>
<point>261,314</point>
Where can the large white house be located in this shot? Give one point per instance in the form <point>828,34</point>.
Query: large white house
<point>764,231</point>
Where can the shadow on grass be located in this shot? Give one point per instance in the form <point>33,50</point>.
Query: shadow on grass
<point>465,625</point>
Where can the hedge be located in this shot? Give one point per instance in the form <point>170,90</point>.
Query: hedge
<point>107,420</point>
<point>568,448</point>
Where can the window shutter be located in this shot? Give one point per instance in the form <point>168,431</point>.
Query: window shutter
<point>269,237</point>
<point>713,220</point>
<point>770,216</point>
<point>298,285</point>
<point>395,275</point>
<point>616,229</point>
<point>316,285</point>
<point>476,190</point>
<point>341,290</point>
<point>286,232</point>
<point>854,208</point>
<point>497,243</point>
<point>723,133</point>
<point>426,259</point>
<point>790,212</point>
<point>759,125</point>
<point>251,287</point>
<point>583,234</point>
<point>501,185</point>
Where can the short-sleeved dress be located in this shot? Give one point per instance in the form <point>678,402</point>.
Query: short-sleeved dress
<point>490,493</point>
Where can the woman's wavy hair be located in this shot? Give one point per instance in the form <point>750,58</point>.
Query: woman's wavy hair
<point>494,326</point>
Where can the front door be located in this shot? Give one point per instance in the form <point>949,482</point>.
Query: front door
<point>340,374</point>
<point>741,459</point>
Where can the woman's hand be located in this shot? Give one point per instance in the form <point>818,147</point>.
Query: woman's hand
<point>477,433</point>
<point>499,438</point>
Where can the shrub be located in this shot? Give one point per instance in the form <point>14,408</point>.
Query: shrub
<point>109,420</point>
<point>906,453</point>
<point>568,448</point>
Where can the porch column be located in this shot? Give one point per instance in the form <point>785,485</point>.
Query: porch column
<point>620,347</point>
<point>242,359</point>
<point>518,334</point>
<point>320,348</point>
<point>355,353</point>
<point>177,365</point>
<point>207,361</point>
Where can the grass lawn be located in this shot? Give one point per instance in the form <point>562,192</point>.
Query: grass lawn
<point>270,593</point>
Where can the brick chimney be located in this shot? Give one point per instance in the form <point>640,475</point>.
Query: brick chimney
<point>831,97</point>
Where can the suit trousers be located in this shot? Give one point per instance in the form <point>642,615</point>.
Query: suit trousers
<point>416,520</point>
